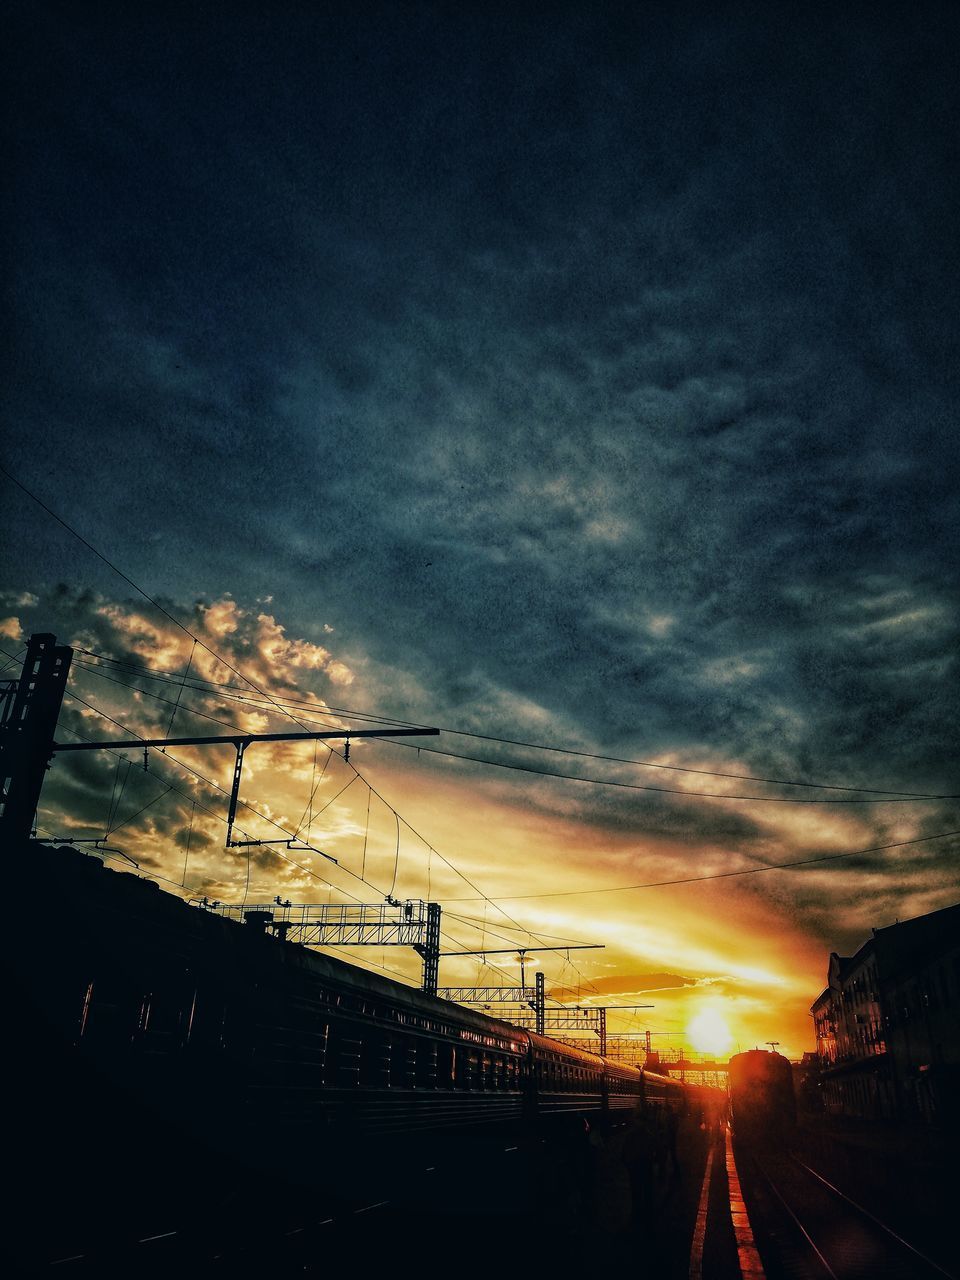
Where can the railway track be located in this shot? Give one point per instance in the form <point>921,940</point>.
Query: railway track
<point>808,1229</point>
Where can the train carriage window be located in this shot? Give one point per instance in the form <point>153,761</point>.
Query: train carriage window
<point>408,1063</point>
<point>427,1057</point>
<point>85,1007</point>
<point>114,1011</point>
<point>163,1014</point>
<point>206,1019</point>
<point>347,1062</point>
<point>464,1069</point>
<point>322,1042</point>
<point>375,1060</point>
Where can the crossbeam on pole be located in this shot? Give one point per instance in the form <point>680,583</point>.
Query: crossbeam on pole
<point>487,995</point>
<point>240,741</point>
<point>246,738</point>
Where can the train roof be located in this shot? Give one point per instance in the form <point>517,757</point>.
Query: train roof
<point>757,1063</point>
<point>755,1055</point>
<point>120,904</point>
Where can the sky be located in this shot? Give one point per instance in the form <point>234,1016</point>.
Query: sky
<point>582,377</point>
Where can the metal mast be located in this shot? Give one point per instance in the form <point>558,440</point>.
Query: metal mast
<point>27,738</point>
<point>26,735</point>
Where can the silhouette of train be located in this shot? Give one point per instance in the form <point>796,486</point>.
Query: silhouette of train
<point>170,1007</point>
<point>762,1104</point>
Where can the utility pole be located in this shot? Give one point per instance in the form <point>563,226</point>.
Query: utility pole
<point>27,738</point>
<point>429,950</point>
<point>26,735</point>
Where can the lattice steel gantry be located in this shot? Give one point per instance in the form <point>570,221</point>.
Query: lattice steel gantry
<point>411,923</point>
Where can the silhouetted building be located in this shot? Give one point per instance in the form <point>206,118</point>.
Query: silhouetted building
<point>888,1024</point>
<point>806,1083</point>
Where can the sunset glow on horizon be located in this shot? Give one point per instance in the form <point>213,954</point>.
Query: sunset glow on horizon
<point>512,860</point>
<point>708,1032</point>
<point>582,388</point>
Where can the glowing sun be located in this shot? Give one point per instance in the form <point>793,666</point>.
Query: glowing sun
<point>708,1032</point>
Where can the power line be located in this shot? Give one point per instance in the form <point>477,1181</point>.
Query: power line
<point>876,797</point>
<point>275,852</point>
<point>11,658</point>
<point>396,814</point>
<point>683,880</point>
<point>484,897</point>
<point>652,884</point>
<point>535,746</point>
<point>561,938</point>
<point>722,875</point>
<point>279,827</point>
<point>156,604</point>
<point>292,861</point>
<point>673,791</point>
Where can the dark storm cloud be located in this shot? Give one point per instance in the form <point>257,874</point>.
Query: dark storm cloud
<point>595,376</point>
<point>184,838</point>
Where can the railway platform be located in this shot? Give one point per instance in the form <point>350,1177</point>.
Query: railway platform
<point>830,1206</point>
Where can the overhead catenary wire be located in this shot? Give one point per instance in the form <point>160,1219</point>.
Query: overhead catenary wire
<point>285,710</point>
<point>275,852</point>
<point>176,705</point>
<point>481,896</point>
<point>674,791</point>
<point>218,657</point>
<point>874,798</point>
<point>371,966</point>
<point>333,712</point>
<point>479,921</point>
<point>653,884</point>
<point>113,796</point>
<point>143,808</point>
<point>186,854</point>
<point>140,591</point>
<point>456,870</point>
<point>720,875</point>
<point>399,819</point>
<point>307,815</point>
<point>163,611</point>
<point>11,658</point>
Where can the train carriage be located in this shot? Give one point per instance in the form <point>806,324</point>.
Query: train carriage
<point>762,1105</point>
<point>162,1000</point>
